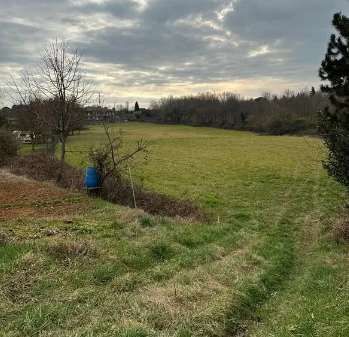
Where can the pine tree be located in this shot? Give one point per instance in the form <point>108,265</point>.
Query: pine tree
<point>136,106</point>
<point>312,91</point>
<point>334,120</point>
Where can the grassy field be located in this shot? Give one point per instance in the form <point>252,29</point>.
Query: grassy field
<point>265,266</point>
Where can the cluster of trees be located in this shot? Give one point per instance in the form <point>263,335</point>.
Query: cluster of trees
<point>39,117</point>
<point>3,120</point>
<point>289,113</point>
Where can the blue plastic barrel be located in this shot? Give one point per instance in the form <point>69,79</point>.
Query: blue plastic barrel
<point>92,178</point>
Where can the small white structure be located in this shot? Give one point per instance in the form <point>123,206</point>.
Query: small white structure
<point>23,136</point>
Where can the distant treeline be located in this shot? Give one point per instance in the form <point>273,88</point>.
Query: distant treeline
<point>290,113</point>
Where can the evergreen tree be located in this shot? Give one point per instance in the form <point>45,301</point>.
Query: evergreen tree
<point>136,106</point>
<point>334,120</point>
<point>312,91</point>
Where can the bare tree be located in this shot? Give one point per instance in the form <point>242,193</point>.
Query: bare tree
<point>110,159</point>
<point>60,81</point>
<point>57,84</point>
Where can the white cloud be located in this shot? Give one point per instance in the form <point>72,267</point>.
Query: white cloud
<point>223,12</point>
<point>262,50</point>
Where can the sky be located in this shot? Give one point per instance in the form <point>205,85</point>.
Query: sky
<point>147,49</point>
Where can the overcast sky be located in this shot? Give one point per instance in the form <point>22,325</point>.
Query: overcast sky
<point>145,49</point>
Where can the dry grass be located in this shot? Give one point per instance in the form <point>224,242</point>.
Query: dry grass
<point>4,239</point>
<point>67,250</point>
<point>341,230</point>
<point>23,277</point>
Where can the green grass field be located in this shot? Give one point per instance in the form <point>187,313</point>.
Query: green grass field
<point>266,265</point>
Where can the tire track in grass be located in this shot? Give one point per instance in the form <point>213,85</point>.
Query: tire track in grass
<point>308,243</point>
<point>279,251</point>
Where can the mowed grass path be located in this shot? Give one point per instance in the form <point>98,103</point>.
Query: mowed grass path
<point>265,266</point>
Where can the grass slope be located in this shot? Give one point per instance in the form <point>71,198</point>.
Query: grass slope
<point>265,267</point>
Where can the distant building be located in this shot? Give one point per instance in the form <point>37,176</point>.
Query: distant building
<point>97,114</point>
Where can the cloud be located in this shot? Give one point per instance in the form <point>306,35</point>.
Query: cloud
<point>150,48</point>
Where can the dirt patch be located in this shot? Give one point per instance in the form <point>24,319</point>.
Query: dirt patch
<point>21,197</point>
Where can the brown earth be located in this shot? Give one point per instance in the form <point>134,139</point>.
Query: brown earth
<point>24,198</point>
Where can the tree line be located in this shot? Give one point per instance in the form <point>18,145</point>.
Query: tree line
<point>286,114</point>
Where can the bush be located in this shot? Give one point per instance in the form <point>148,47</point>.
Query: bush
<point>42,167</point>
<point>119,190</point>
<point>287,126</point>
<point>8,146</point>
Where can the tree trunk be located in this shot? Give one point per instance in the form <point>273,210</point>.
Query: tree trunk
<point>63,150</point>
<point>33,144</point>
<point>51,145</point>
<point>62,160</point>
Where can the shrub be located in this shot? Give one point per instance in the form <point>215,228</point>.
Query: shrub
<point>287,126</point>
<point>42,167</point>
<point>119,190</point>
<point>8,146</point>
<point>110,159</point>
